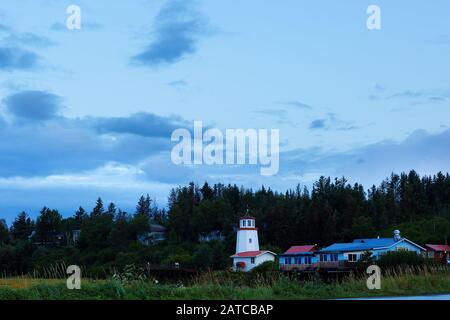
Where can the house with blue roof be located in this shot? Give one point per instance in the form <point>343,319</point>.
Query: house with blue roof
<point>343,255</point>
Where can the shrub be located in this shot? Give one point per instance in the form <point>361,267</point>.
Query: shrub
<point>402,258</point>
<point>266,267</point>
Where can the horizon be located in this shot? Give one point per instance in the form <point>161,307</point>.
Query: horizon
<point>131,210</point>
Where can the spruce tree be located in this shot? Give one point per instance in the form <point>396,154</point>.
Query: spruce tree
<point>98,209</point>
<point>22,227</point>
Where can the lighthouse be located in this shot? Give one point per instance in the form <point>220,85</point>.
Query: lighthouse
<point>247,254</point>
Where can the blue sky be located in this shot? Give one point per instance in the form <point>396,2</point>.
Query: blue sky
<point>88,113</point>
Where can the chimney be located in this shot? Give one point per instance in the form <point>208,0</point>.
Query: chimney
<point>397,236</point>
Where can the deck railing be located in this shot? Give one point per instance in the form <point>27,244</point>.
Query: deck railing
<point>297,267</point>
<point>339,265</point>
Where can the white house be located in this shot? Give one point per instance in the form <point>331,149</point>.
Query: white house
<point>247,254</point>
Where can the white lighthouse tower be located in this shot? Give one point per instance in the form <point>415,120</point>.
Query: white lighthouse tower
<point>247,254</point>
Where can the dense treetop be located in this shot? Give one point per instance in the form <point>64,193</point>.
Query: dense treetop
<point>332,211</point>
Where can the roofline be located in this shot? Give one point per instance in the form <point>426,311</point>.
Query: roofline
<point>261,253</point>
<point>430,247</point>
<point>299,253</point>
<point>374,248</point>
<point>401,240</point>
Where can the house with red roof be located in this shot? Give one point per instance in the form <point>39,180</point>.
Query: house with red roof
<point>247,254</point>
<point>299,258</point>
<point>438,252</point>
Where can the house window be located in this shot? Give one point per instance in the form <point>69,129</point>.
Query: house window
<point>307,260</point>
<point>352,257</point>
<point>252,260</point>
<point>249,240</point>
<point>324,257</point>
<point>334,257</point>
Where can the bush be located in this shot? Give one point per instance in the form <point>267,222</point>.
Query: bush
<point>402,258</point>
<point>266,267</point>
<point>203,257</point>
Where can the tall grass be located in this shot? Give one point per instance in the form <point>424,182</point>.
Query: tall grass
<point>225,285</point>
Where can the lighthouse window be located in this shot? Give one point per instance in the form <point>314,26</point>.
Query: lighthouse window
<point>250,240</point>
<point>252,260</point>
<point>244,222</point>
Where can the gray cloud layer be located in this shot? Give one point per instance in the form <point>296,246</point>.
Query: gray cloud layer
<point>37,141</point>
<point>178,28</point>
<point>16,49</point>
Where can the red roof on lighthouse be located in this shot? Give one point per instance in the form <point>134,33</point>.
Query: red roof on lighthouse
<point>251,254</point>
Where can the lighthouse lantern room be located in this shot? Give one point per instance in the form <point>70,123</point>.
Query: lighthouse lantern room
<point>247,254</point>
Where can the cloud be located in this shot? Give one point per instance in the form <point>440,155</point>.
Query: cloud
<point>15,53</point>
<point>122,184</point>
<point>12,58</point>
<point>91,26</point>
<point>33,105</point>
<point>29,39</point>
<point>178,83</point>
<point>39,141</point>
<point>141,124</point>
<point>426,153</point>
<point>297,104</point>
<point>277,113</point>
<point>331,122</point>
<point>4,28</point>
<point>317,124</point>
<point>178,27</point>
<point>415,97</point>
<point>380,88</point>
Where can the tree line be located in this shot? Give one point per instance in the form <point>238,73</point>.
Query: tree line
<point>333,210</point>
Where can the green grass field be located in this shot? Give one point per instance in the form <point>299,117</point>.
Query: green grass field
<point>223,286</point>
